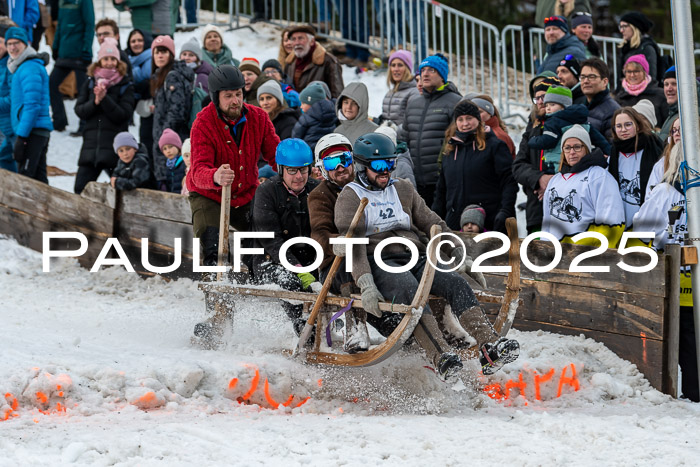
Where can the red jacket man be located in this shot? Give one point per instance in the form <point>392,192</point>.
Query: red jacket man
<point>227,139</point>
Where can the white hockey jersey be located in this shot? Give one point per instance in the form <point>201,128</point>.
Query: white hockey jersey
<point>579,202</point>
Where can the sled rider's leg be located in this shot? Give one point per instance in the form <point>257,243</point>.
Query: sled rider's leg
<point>267,272</point>
<point>394,287</point>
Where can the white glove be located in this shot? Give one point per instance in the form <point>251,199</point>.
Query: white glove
<point>370,295</point>
<point>339,248</point>
<point>466,267</point>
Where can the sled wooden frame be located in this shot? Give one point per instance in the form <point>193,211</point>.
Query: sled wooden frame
<point>412,313</point>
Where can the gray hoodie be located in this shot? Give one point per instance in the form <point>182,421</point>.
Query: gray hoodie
<point>360,125</point>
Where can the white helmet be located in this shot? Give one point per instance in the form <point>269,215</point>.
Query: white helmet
<point>323,144</point>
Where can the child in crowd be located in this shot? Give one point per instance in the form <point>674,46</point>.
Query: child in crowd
<point>560,116</point>
<point>170,145</point>
<point>265,172</point>
<point>133,169</point>
<point>472,219</point>
<point>186,153</point>
<point>319,116</point>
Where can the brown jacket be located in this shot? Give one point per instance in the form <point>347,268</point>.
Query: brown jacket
<point>422,219</point>
<point>323,67</point>
<point>321,204</point>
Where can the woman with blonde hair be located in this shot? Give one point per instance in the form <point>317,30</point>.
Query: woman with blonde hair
<point>583,196</point>
<point>662,164</point>
<point>402,86</point>
<point>635,27</point>
<point>286,46</point>
<point>475,169</point>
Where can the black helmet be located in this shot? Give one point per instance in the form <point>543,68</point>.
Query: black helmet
<point>373,146</point>
<point>224,78</point>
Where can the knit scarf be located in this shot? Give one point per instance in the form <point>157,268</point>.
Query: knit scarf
<point>106,77</point>
<point>636,89</point>
<point>172,163</point>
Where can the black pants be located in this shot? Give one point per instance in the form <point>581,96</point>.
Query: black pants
<point>87,174</point>
<point>427,192</point>
<point>33,163</point>
<point>687,357</point>
<point>146,134</point>
<point>61,70</point>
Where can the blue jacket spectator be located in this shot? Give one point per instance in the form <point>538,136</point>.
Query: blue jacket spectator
<point>140,58</point>
<point>7,162</point>
<point>29,96</point>
<point>559,44</point>
<point>319,117</point>
<point>25,13</point>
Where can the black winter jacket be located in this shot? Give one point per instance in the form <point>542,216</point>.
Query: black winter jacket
<point>135,174</point>
<point>175,175</point>
<point>555,124</point>
<point>103,121</point>
<point>319,121</point>
<point>276,210</point>
<point>647,47</point>
<point>173,104</point>
<point>527,172</point>
<point>652,93</point>
<point>284,122</point>
<point>427,117</point>
<point>470,176</point>
<point>600,111</point>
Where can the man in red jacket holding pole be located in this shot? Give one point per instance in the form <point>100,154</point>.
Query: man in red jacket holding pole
<point>228,137</point>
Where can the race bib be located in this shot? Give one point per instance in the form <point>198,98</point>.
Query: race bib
<point>383,212</point>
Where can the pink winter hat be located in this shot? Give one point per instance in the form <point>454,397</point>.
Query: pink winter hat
<point>641,59</point>
<point>403,55</point>
<point>163,41</point>
<point>109,48</point>
<point>169,137</point>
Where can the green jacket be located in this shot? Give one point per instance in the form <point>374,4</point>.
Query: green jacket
<point>155,16</point>
<point>75,31</point>
<point>225,57</point>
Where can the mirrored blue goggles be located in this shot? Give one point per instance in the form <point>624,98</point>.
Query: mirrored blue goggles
<point>383,165</point>
<point>332,162</point>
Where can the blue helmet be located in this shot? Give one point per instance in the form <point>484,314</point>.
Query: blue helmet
<point>294,152</point>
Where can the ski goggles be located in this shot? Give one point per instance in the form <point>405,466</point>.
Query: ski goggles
<point>339,159</point>
<point>382,165</point>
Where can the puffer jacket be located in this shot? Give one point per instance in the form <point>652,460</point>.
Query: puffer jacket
<point>25,13</point>
<point>141,69</point>
<point>29,94</point>
<point>5,83</point>
<point>652,93</point>
<point>321,67</point>
<point>394,103</point>
<point>569,44</point>
<point>471,176</point>
<point>360,125</point>
<point>75,30</point>
<point>135,174</point>
<point>173,103</point>
<point>104,121</point>
<point>600,111</point>
<point>427,117</point>
<point>319,121</point>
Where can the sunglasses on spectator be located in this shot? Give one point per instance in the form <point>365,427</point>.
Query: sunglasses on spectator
<point>382,165</point>
<point>295,170</point>
<point>626,125</point>
<point>340,159</point>
<point>575,148</point>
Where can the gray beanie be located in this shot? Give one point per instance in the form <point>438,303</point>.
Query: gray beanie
<point>193,46</point>
<point>579,132</point>
<point>484,105</point>
<point>125,139</point>
<point>646,108</point>
<point>474,214</point>
<point>273,88</point>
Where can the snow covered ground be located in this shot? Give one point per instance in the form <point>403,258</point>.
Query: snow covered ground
<point>97,369</point>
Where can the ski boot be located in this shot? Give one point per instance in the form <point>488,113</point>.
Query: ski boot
<point>356,334</point>
<point>493,356</point>
<point>448,366</point>
<point>209,334</point>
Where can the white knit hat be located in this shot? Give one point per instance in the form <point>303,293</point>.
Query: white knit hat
<point>579,132</point>
<point>186,146</point>
<point>387,131</point>
<point>646,108</point>
<point>209,28</point>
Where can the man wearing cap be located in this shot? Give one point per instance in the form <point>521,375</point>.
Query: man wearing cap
<point>427,117</point>
<point>595,76</point>
<point>72,51</point>
<point>568,72</point>
<point>527,168</point>
<point>582,28</point>
<point>228,137</point>
<point>29,109</point>
<point>7,162</point>
<point>310,62</point>
<point>559,44</point>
